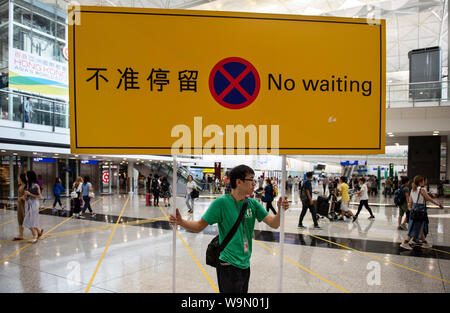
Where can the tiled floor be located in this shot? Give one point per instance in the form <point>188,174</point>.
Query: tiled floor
<point>341,257</point>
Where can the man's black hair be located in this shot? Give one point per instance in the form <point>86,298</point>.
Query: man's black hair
<point>239,172</point>
<point>344,179</point>
<point>405,179</point>
<point>309,174</point>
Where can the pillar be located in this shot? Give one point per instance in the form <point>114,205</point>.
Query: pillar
<point>110,179</point>
<point>130,177</point>
<point>11,177</point>
<point>447,165</point>
<point>67,177</point>
<point>77,168</point>
<point>424,157</point>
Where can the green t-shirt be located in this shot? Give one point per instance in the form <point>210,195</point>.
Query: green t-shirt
<point>224,212</point>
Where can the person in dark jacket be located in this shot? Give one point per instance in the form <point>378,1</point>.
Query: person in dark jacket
<point>268,196</point>
<point>57,189</point>
<point>307,201</point>
<point>156,188</point>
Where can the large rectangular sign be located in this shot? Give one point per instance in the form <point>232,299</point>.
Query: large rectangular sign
<point>204,82</point>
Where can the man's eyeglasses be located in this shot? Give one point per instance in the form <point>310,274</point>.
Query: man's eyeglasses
<point>250,179</point>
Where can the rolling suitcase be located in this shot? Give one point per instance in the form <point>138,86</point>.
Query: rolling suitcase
<point>148,199</point>
<point>322,206</point>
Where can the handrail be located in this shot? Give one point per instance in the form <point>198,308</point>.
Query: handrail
<point>49,112</point>
<point>434,93</point>
<point>23,94</point>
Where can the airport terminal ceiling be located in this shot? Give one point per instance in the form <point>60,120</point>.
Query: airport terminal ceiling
<point>410,24</point>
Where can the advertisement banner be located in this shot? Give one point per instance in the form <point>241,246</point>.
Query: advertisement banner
<point>31,73</point>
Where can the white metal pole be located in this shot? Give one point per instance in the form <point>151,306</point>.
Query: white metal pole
<point>174,209</point>
<point>283,193</point>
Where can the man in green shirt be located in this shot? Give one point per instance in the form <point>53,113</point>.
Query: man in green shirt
<point>233,270</point>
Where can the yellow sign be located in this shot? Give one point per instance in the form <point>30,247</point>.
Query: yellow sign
<point>178,81</point>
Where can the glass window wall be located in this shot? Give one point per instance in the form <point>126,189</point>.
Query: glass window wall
<point>4,114</point>
<point>46,37</point>
<point>44,111</point>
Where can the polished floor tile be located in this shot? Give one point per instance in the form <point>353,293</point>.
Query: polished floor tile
<point>341,257</point>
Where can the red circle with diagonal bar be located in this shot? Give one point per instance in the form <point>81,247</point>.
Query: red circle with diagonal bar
<point>234,83</point>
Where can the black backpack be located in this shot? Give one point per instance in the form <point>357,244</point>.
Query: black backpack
<point>155,184</point>
<point>303,195</point>
<point>399,197</point>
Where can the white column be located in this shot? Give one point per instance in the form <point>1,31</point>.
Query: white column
<point>110,179</point>
<point>131,177</point>
<point>282,195</point>
<point>447,166</point>
<point>11,44</point>
<point>67,177</point>
<point>174,212</point>
<point>11,177</point>
<point>135,180</point>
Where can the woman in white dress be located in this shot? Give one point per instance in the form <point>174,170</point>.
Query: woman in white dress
<point>33,194</point>
<point>189,187</point>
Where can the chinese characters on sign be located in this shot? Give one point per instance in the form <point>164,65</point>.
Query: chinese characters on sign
<point>157,78</point>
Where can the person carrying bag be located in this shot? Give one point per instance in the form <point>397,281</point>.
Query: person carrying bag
<point>214,249</point>
<point>229,212</point>
<point>418,219</point>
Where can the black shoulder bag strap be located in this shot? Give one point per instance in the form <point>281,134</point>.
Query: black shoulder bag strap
<point>418,196</point>
<point>235,226</point>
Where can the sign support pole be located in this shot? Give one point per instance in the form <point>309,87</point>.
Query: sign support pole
<point>174,208</point>
<point>282,195</point>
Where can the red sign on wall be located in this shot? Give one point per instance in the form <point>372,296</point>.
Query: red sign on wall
<point>105,177</point>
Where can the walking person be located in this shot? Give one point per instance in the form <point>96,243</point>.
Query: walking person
<point>307,201</point>
<point>57,189</point>
<point>418,219</point>
<point>364,200</point>
<point>268,196</point>
<point>404,203</point>
<point>27,107</point>
<point>324,181</point>
<point>190,186</point>
<point>233,269</point>
<point>388,188</point>
<point>77,190</point>
<point>87,192</point>
<point>375,186</point>
<point>156,189</point>
<point>166,191</point>
<point>345,200</point>
<point>369,187</point>
<point>31,219</point>
<point>149,183</point>
<point>21,200</point>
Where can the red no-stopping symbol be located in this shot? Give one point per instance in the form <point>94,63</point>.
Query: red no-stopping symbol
<point>105,177</point>
<point>234,83</point>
